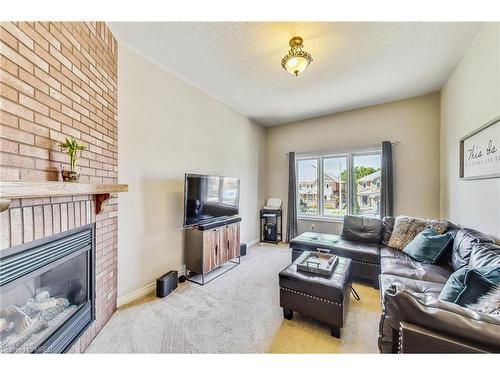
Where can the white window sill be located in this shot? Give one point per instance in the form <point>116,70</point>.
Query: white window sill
<point>339,219</point>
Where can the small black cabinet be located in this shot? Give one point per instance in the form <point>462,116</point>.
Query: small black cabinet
<point>271,226</point>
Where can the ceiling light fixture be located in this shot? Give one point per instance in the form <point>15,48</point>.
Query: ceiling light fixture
<point>297,59</point>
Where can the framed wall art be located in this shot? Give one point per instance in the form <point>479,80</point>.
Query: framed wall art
<point>480,152</point>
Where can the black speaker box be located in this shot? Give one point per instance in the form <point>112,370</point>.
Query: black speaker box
<point>270,233</point>
<point>243,249</point>
<point>166,283</point>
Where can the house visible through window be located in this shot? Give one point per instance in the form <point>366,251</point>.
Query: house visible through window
<point>333,185</point>
<point>366,184</point>
<point>307,172</point>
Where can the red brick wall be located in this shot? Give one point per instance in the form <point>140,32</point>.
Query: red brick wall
<point>57,80</point>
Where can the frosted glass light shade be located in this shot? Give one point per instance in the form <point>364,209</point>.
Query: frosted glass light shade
<point>296,65</point>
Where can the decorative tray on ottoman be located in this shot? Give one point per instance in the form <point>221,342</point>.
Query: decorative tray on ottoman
<point>318,262</point>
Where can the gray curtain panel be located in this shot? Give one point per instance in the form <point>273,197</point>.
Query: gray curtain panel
<point>387,182</point>
<point>291,222</point>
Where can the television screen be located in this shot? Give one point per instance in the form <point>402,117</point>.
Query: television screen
<point>210,198</point>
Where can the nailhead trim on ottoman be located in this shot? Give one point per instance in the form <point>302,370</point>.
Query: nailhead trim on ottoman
<point>366,263</point>
<point>309,296</point>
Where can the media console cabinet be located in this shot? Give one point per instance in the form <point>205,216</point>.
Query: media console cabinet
<point>211,246</point>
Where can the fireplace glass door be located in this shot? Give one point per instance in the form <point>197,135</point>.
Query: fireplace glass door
<point>36,305</point>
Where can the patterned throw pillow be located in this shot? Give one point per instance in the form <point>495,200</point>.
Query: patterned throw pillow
<point>407,227</point>
<point>478,282</point>
<point>489,303</point>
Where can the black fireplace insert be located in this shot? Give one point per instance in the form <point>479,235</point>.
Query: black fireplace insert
<point>47,292</point>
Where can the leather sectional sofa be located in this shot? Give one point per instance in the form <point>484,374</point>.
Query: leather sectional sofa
<point>413,319</point>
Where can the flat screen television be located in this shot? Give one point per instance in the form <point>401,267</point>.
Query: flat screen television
<point>210,198</point>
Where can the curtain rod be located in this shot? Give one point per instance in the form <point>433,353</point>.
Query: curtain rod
<point>347,149</point>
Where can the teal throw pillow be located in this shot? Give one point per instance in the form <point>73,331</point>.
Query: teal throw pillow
<point>428,246</point>
<point>454,285</point>
<point>477,283</point>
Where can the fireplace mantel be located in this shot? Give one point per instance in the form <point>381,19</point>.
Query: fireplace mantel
<point>40,189</point>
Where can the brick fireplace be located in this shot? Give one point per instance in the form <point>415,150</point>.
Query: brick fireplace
<point>57,80</point>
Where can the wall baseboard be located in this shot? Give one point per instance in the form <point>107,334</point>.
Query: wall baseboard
<point>254,242</point>
<point>141,292</point>
<point>129,297</point>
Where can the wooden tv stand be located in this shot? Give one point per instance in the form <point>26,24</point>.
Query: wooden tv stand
<point>211,246</point>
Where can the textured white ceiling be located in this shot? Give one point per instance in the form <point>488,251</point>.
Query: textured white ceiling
<point>356,64</point>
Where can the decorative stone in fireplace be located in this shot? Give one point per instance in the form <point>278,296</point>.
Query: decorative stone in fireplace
<point>47,292</point>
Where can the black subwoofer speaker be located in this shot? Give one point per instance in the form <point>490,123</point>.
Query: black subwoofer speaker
<point>166,283</point>
<point>243,249</point>
<point>270,233</point>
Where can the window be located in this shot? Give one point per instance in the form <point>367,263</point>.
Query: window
<point>366,184</point>
<point>307,177</point>
<point>332,185</point>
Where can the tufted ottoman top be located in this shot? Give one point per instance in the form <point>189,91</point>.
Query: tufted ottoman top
<point>330,288</point>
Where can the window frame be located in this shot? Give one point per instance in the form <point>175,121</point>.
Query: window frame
<point>349,155</point>
<point>297,198</point>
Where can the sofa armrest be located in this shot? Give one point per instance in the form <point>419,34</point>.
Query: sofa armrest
<point>415,339</point>
<point>444,318</point>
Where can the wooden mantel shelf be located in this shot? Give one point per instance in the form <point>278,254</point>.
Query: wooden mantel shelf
<point>40,189</point>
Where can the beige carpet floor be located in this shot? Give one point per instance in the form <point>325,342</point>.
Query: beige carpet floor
<point>236,313</point>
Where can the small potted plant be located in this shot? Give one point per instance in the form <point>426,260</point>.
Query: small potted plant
<point>71,147</point>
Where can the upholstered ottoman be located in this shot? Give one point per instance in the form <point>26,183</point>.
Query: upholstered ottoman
<point>322,298</point>
<point>365,256</point>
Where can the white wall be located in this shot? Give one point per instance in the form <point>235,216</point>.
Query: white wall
<point>413,122</point>
<point>168,127</point>
<point>470,98</point>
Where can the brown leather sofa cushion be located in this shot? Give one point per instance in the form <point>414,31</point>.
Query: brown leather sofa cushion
<point>390,252</point>
<point>362,229</point>
<point>411,285</point>
<point>462,246</point>
<point>412,269</point>
<point>360,251</point>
